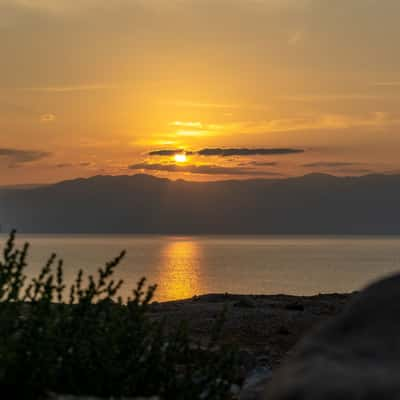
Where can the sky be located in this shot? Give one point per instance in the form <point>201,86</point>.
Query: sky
<point>245,88</point>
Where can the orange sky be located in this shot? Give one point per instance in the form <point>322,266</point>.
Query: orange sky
<point>91,87</point>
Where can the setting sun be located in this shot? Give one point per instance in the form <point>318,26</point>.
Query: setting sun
<point>180,157</point>
<point>235,149</point>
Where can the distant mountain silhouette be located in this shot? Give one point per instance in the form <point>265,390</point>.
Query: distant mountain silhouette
<point>312,204</point>
<point>14,187</point>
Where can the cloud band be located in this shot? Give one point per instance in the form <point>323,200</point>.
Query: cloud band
<point>229,152</point>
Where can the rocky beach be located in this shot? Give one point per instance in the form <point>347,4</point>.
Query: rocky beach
<point>264,328</point>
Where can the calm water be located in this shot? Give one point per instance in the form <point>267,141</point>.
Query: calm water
<point>185,266</point>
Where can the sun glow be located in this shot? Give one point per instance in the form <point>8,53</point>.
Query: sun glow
<point>180,157</point>
<point>180,270</point>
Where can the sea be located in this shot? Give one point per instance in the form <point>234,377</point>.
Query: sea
<point>186,266</point>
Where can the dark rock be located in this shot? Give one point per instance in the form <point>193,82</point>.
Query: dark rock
<point>283,330</point>
<point>246,302</point>
<point>264,360</point>
<point>295,307</point>
<point>355,355</point>
<point>247,360</point>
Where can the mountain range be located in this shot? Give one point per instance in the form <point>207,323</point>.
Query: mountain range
<point>311,204</point>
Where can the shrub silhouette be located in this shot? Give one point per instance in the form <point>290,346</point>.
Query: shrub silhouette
<point>94,343</point>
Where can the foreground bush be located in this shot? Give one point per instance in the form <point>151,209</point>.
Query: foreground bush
<point>84,340</point>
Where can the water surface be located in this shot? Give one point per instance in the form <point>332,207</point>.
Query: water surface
<point>193,265</point>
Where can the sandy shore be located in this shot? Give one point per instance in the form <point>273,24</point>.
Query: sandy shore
<point>265,327</point>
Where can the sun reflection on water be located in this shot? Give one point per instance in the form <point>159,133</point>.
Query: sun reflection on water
<point>179,271</point>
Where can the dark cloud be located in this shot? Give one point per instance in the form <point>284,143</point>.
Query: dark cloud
<point>201,169</point>
<point>355,171</point>
<point>341,167</point>
<point>70,165</point>
<point>260,163</point>
<point>323,164</point>
<point>16,157</point>
<point>248,152</point>
<point>167,153</point>
<point>229,152</point>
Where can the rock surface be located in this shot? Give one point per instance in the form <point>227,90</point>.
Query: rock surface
<point>355,355</point>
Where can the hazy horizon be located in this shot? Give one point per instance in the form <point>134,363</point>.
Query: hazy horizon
<point>311,204</point>
<point>33,185</point>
